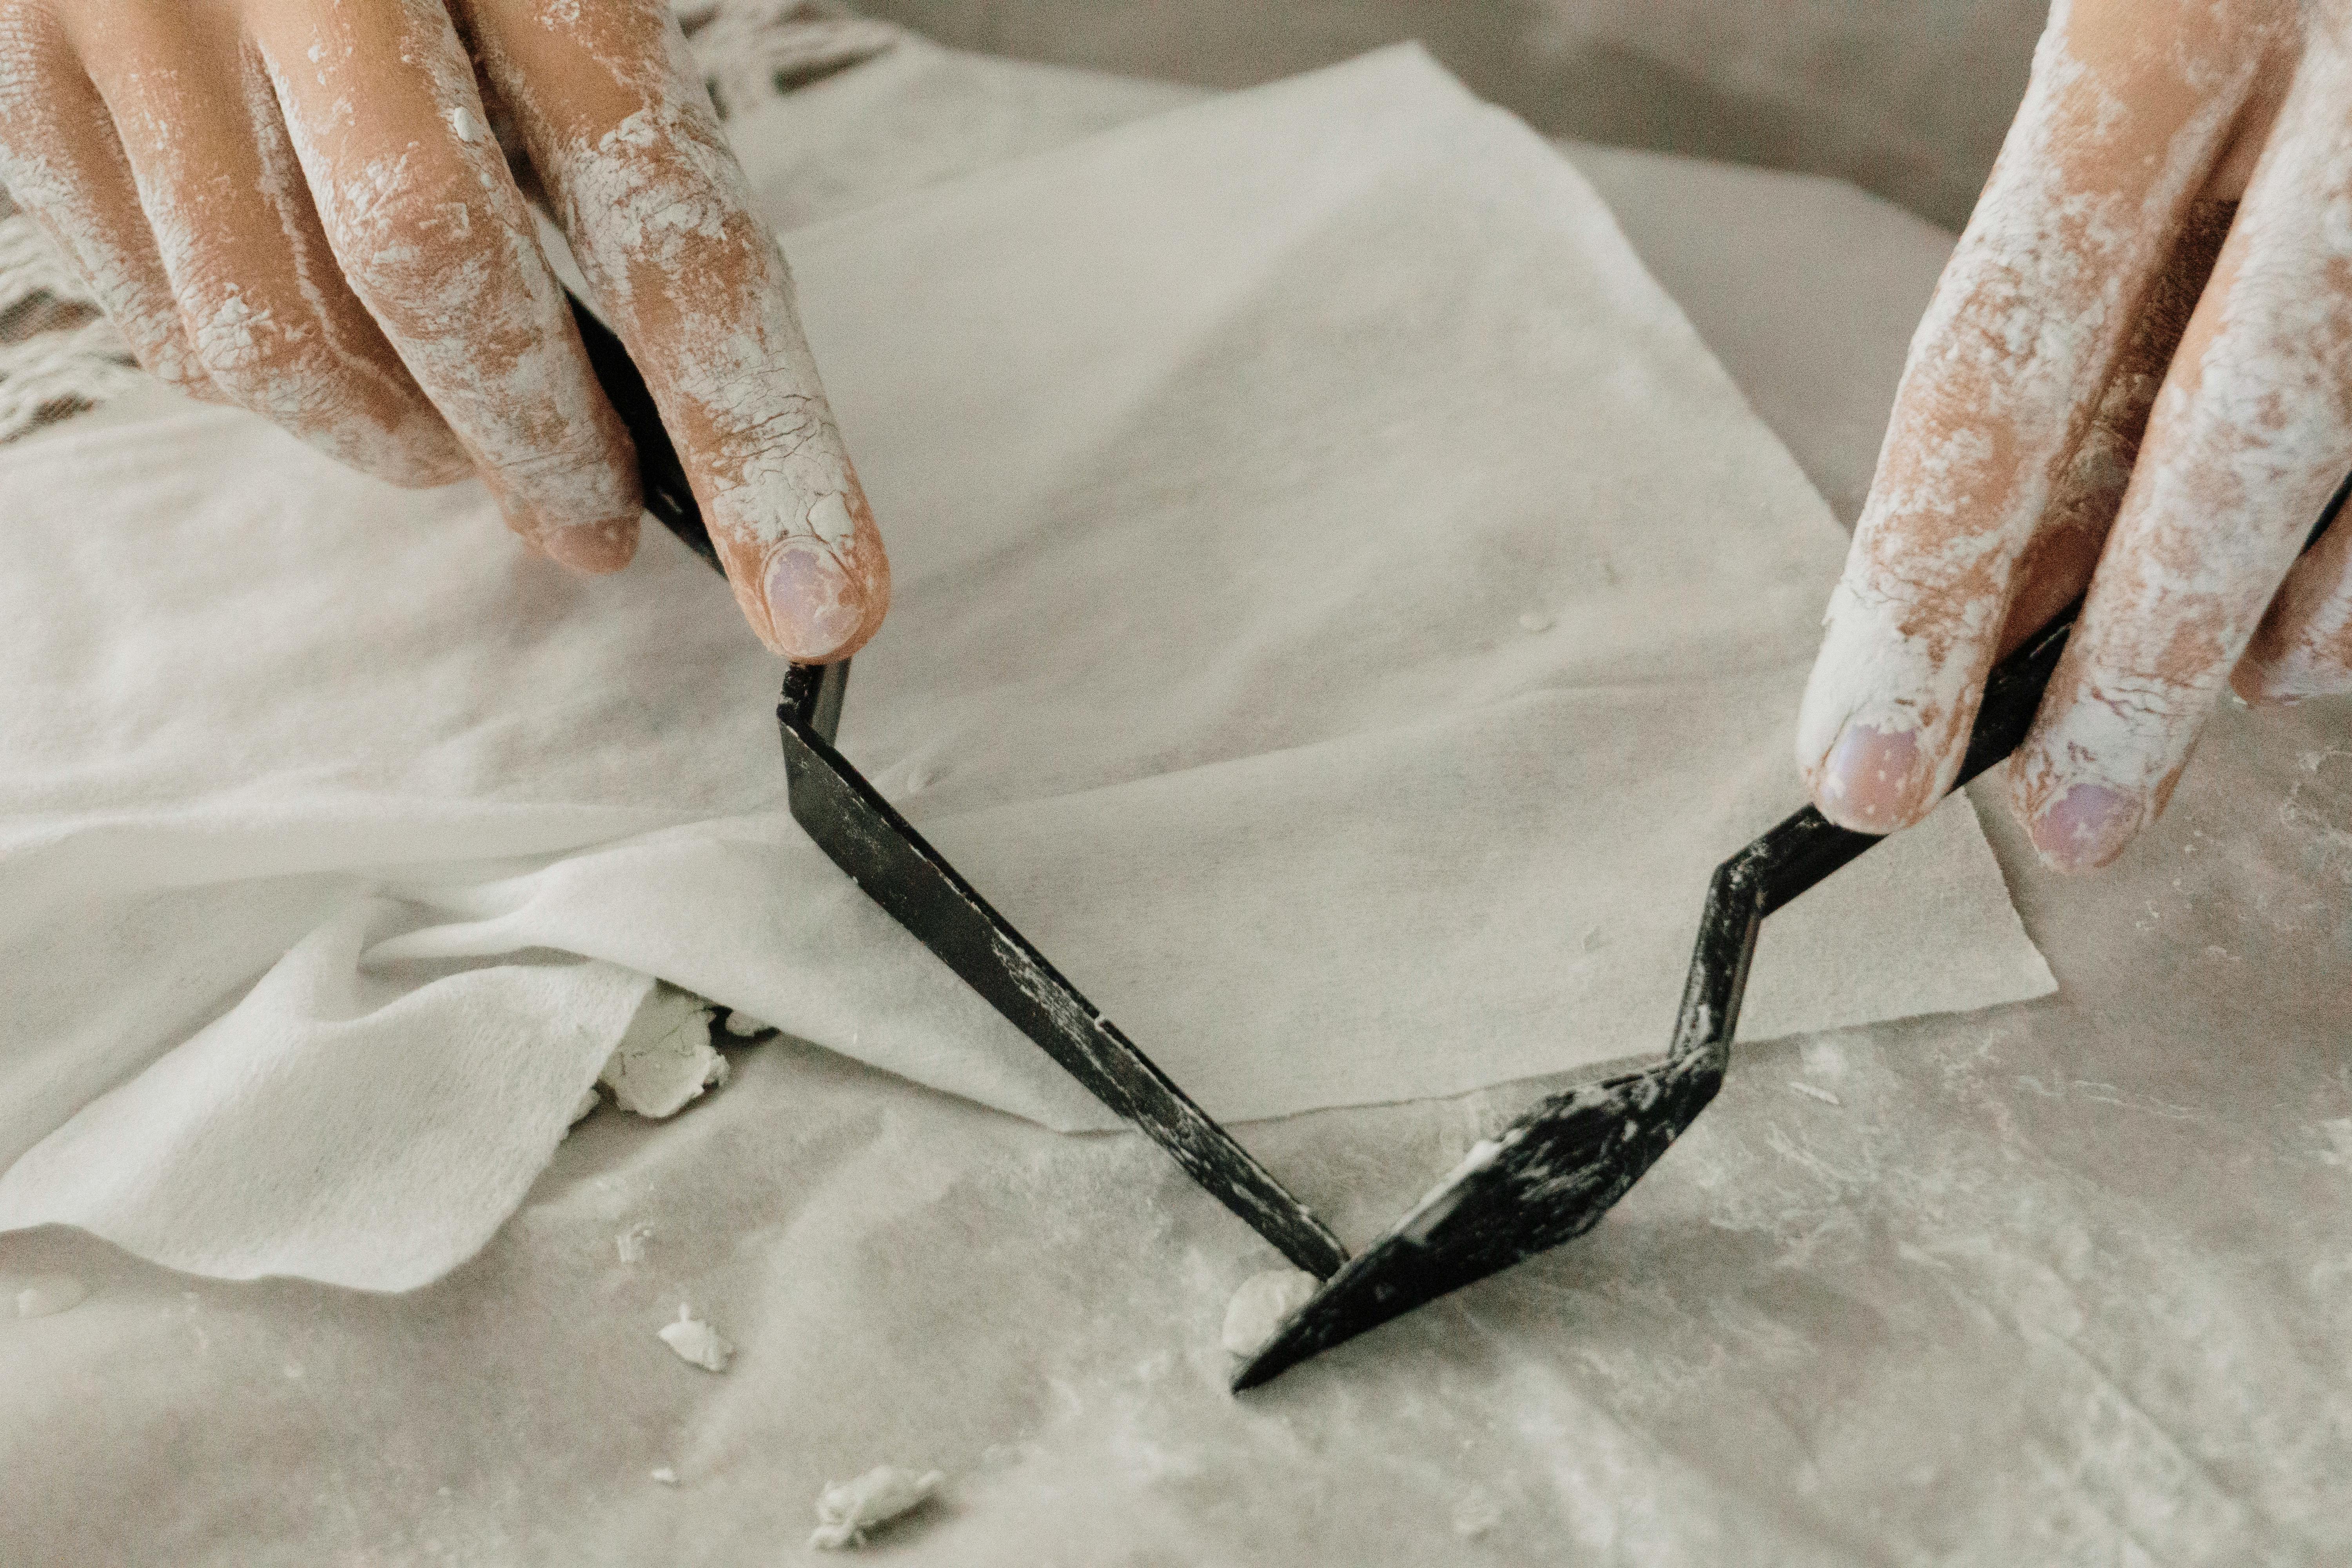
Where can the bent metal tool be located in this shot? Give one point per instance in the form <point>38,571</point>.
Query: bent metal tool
<point>866,838</point>
<point>1552,1174</point>
<point>1546,1179</point>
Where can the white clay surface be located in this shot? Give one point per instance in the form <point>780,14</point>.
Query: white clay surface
<point>1261,1304</point>
<point>846,1510</point>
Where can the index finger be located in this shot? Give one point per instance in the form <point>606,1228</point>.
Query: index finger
<point>2129,106</point>
<point>624,137</point>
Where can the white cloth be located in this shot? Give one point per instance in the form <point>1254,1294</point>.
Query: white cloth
<point>1342,614</point>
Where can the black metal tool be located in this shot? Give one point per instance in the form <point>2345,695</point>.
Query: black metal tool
<point>1546,1179</point>
<point>1551,1175</point>
<point>865,837</point>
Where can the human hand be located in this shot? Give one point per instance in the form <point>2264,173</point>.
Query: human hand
<point>2108,391</point>
<point>299,207</point>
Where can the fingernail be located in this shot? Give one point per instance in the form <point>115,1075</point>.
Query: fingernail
<point>813,605</point>
<point>2085,828</point>
<point>1868,780</point>
<point>597,547</point>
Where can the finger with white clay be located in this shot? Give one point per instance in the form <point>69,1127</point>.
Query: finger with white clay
<point>258,292</point>
<point>61,161</point>
<point>2128,109</point>
<point>2247,443</point>
<point>434,238</point>
<point>2065,550</point>
<point>623,138</point>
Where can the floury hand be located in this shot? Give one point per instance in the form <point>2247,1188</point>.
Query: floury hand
<point>2136,378</point>
<point>303,209</point>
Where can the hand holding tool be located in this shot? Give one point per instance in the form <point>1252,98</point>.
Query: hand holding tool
<point>1547,1178</point>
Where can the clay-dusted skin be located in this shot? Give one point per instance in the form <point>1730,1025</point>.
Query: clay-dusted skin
<point>2132,377</point>
<point>302,208</point>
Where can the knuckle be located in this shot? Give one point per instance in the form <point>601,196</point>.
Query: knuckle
<point>409,228</point>
<point>243,342</point>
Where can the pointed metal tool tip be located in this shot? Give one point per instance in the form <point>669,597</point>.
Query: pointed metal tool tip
<point>1548,1177</point>
<point>864,835</point>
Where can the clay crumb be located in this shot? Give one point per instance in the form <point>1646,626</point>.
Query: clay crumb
<point>663,1474</point>
<point>44,1294</point>
<point>665,1059</point>
<point>1261,1304</point>
<point>697,1341</point>
<point>2339,1139</point>
<point>1475,1512</point>
<point>1811,1091</point>
<point>631,1243</point>
<point>742,1025</point>
<point>846,1512</point>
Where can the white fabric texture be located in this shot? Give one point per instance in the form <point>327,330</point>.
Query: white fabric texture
<point>58,356</point>
<point>1342,614</point>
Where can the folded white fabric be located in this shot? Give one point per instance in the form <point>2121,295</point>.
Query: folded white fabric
<point>1342,614</point>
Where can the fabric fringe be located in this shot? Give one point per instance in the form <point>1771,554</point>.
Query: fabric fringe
<point>59,356</point>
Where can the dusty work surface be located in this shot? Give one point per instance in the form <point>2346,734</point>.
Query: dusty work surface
<point>2061,1281</point>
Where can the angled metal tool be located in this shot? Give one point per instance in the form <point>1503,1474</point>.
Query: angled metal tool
<point>866,838</point>
<point>1552,1174</point>
<point>1547,1179</point>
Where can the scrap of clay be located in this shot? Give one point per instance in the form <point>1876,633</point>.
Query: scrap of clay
<point>697,1342</point>
<point>665,1475</point>
<point>1813,1091</point>
<point>1262,1304</point>
<point>848,1509</point>
<point>46,1293</point>
<point>739,1023</point>
<point>631,1243</point>
<point>1475,1512</point>
<point>665,1058</point>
